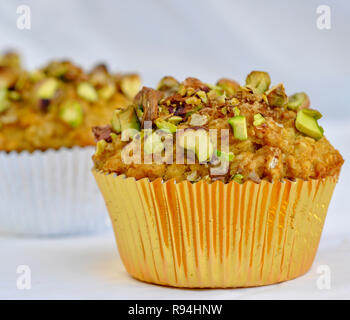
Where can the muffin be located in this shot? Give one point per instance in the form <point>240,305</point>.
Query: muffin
<point>46,142</point>
<point>216,185</point>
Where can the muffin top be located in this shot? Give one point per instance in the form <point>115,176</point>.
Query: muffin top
<point>57,105</point>
<point>196,131</point>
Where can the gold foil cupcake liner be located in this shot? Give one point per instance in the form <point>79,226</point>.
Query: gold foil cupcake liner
<point>216,235</point>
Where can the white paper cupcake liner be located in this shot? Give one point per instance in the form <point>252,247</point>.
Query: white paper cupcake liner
<point>50,193</point>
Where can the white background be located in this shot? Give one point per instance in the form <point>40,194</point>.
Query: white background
<point>206,39</point>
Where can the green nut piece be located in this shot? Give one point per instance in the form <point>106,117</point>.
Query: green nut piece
<point>72,113</point>
<point>168,84</point>
<point>202,95</point>
<point>87,91</point>
<point>129,123</point>
<point>236,111</point>
<point>306,123</point>
<point>153,144</point>
<point>258,81</point>
<point>115,122</point>
<point>47,88</point>
<point>258,120</point>
<point>130,85</point>
<point>36,75</point>
<point>4,103</point>
<point>100,147</point>
<point>198,141</point>
<point>238,178</point>
<point>14,95</point>
<point>225,156</point>
<point>165,126</point>
<point>107,91</point>
<point>276,96</point>
<point>313,113</point>
<point>239,126</point>
<point>298,101</point>
<point>175,120</point>
<point>230,87</point>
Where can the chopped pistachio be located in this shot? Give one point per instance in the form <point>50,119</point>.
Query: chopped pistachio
<point>14,95</point>
<point>239,126</point>
<point>259,81</point>
<point>193,101</point>
<point>36,75</point>
<point>198,120</point>
<point>203,96</point>
<point>107,91</point>
<point>4,103</point>
<point>225,156</point>
<point>153,144</point>
<point>100,147</point>
<point>71,113</point>
<point>115,122</point>
<point>313,113</point>
<point>229,86</point>
<point>113,136</point>
<point>175,120</point>
<point>234,101</point>
<point>87,91</point>
<point>258,120</point>
<point>276,96</point>
<point>168,83</point>
<point>130,85</point>
<point>298,101</point>
<point>236,111</point>
<point>238,178</point>
<point>47,88</point>
<point>306,123</point>
<point>223,110</point>
<point>165,126</point>
<point>199,142</point>
<point>182,90</point>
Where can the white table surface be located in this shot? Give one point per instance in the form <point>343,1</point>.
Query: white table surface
<point>89,267</point>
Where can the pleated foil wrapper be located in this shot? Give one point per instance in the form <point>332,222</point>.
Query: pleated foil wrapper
<point>50,193</point>
<point>216,235</point>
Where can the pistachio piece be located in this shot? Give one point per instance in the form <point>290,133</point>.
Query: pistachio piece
<point>100,147</point>
<point>225,156</point>
<point>239,126</point>
<point>36,75</point>
<point>153,144</point>
<point>229,86</point>
<point>168,84</point>
<point>4,103</point>
<point>165,126</point>
<point>175,120</point>
<point>87,91</point>
<point>276,96</point>
<point>197,141</point>
<point>10,59</point>
<point>115,122</point>
<point>130,85</point>
<point>47,88</point>
<point>236,111</point>
<point>258,81</point>
<point>14,95</point>
<point>298,101</point>
<point>202,95</point>
<point>238,178</point>
<point>258,120</point>
<point>313,113</point>
<point>107,91</point>
<point>306,123</point>
<point>198,120</point>
<point>71,113</point>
